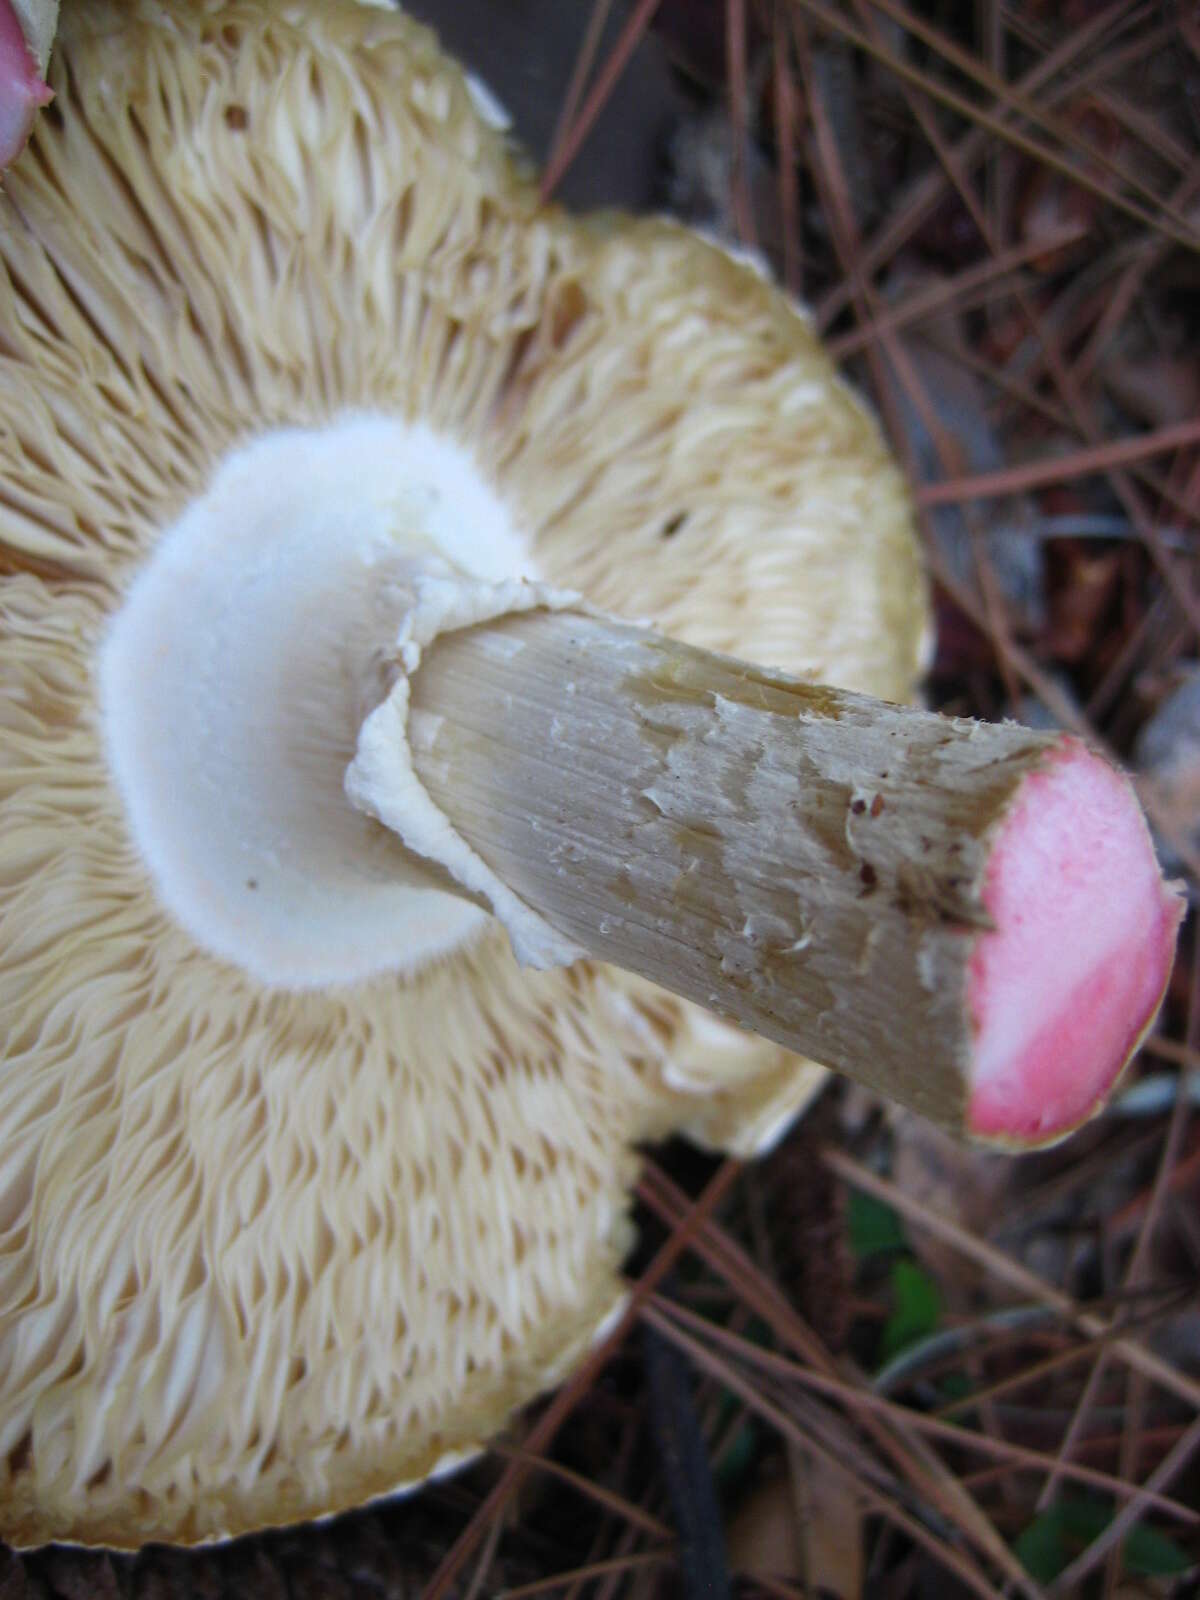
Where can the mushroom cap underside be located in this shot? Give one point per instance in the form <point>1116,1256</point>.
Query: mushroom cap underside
<point>265,1254</point>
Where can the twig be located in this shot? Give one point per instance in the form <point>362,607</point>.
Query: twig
<point>928,191</point>
<point>898,1439</point>
<point>484,1565</point>
<point>735,57</point>
<point>785,129</point>
<point>1181,233</point>
<point>1029,110</point>
<point>579,77</point>
<point>949,291</point>
<point>1038,474</point>
<point>855,1396</point>
<point>569,1396</point>
<point>594,1569</point>
<point>1004,1268</point>
<point>612,69</point>
<point>609,1498</point>
<point>704,1358</point>
<point>1170,1467</point>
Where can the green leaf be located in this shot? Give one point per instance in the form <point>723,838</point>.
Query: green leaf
<point>1041,1548</point>
<point>1151,1554</point>
<point>916,1308</point>
<point>1052,1541</point>
<point>737,1458</point>
<point>955,1386</point>
<point>873,1226</point>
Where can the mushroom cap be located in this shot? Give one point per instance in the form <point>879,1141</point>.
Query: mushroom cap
<point>266,1253</point>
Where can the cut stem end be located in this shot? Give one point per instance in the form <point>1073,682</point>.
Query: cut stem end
<point>1064,989</point>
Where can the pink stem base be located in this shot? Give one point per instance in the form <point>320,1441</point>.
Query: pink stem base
<point>22,90</point>
<point>1065,988</point>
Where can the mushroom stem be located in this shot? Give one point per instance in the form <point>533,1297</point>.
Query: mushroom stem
<point>965,917</point>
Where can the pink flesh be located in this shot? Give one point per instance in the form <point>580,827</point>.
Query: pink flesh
<point>1071,978</point>
<point>21,88</point>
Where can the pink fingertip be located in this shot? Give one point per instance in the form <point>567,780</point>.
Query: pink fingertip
<point>22,90</point>
<point>1065,987</point>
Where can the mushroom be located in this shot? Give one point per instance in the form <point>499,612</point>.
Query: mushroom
<point>304,1183</point>
<point>967,917</point>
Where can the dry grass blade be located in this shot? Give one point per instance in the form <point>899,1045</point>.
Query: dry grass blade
<point>1006,1270</point>
<point>1080,419</point>
<point>1068,384</point>
<point>1024,397</point>
<point>1136,1268</point>
<point>776,1587</point>
<point>1110,1155</point>
<point>1180,1454</point>
<point>1150,133</point>
<point>622,1461</point>
<point>1175,574</point>
<point>579,77</point>
<point>952,1559</point>
<point>1028,109</point>
<point>564,1402</point>
<point>1080,43</point>
<point>735,58</point>
<point>1170,1467</point>
<point>594,1569</point>
<point>965,1438</point>
<point>952,291</point>
<point>574,136</point>
<point>1170,1050</point>
<point>487,1555</point>
<point>898,375</point>
<point>1148,254</point>
<point>1105,65</point>
<point>608,1498</point>
<point>834,22</point>
<point>1065,378</point>
<point>894,1435</point>
<point>1037,474</point>
<point>1037,1373</point>
<point>1061,706</point>
<point>785,121</point>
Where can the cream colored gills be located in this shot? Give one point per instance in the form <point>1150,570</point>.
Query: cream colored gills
<point>279,1229</point>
